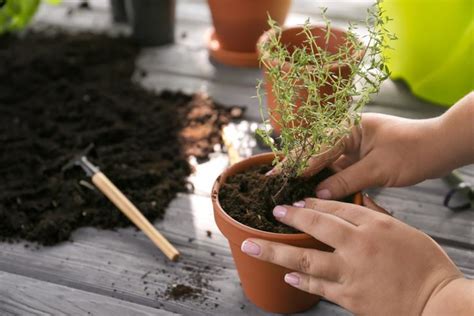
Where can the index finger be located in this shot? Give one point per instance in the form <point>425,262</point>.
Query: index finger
<point>325,227</point>
<point>349,212</point>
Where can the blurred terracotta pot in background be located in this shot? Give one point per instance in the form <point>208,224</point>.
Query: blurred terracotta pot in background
<point>292,38</point>
<point>237,26</point>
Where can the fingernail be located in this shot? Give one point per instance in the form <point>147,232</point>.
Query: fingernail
<point>299,204</point>
<point>269,173</point>
<point>250,248</point>
<point>279,211</point>
<point>292,278</point>
<point>324,194</point>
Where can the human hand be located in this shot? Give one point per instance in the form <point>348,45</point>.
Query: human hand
<point>382,151</point>
<point>380,266</point>
<point>389,151</point>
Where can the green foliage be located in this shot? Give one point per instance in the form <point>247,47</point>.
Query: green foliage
<point>325,119</point>
<point>16,14</point>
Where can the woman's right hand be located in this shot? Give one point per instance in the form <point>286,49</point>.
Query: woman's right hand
<point>389,151</point>
<point>383,151</point>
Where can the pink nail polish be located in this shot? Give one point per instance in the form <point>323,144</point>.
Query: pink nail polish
<point>269,173</point>
<point>250,248</point>
<point>299,204</point>
<point>279,211</point>
<point>324,194</point>
<point>292,278</point>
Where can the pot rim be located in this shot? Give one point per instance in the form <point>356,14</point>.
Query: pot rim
<point>333,66</point>
<point>261,233</point>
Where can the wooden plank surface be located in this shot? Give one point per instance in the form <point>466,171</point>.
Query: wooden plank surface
<point>27,296</point>
<point>106,271</point>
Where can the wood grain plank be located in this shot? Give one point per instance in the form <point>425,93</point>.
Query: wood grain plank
<point>421,206</point>
<point>21,295</point>
<point>221,92</point>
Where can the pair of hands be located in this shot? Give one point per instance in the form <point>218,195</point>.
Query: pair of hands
<point>380,265</point>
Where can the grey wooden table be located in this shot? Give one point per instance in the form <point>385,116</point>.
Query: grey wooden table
<point>104,272</point>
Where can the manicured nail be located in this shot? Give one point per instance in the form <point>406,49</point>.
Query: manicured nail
<point>279,211</point>
<point>269,173</point>
<point>324,194</point>
<point>299,204</point>
<point>250,248</point>
<point>292,278</point>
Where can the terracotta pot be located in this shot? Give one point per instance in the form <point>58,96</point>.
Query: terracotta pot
<point>238,25</point>
<point>292,37</point>
<point>263,282</point>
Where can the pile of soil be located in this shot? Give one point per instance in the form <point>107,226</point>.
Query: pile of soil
<point>61,92</point>
<point>250,197</point>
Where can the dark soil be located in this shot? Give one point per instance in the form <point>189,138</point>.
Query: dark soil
<point>60,93</point>
<point>248,197</point>
<point>182,292</point>
<point>192,285</point>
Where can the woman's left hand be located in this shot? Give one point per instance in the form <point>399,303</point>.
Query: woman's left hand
<point>380,266</point>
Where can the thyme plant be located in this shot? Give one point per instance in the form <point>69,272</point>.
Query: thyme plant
<point>313,122</point>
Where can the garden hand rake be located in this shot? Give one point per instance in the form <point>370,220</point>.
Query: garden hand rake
<point>122,202</point>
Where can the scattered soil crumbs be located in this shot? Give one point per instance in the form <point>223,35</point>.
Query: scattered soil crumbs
<point>248,197</point>
<point>58,94</point>
<point>182,292</point>
<point>191,283</point>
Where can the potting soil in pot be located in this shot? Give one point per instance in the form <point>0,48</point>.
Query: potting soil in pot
<point>60,93</point>
<point>248,197</point>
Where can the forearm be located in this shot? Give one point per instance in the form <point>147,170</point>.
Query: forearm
<point>453,138</point>
<point>453,299</point>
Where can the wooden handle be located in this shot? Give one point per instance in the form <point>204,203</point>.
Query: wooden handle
<point>124,204</point>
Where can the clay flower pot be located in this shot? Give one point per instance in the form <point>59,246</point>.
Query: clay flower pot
<point>291,38</point>
<point>263,282</point>
<point>237,26</point>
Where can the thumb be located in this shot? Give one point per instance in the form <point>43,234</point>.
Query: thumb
<point>354,178</point>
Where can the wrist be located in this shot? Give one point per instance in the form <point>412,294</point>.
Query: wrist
<point>445,146</point>
<point>430,154</point>
<point>452,297</point>
<point>456,132</point>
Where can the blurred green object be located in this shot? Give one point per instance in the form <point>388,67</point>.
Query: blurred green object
<point>15,14</point>
<point>434,52</point>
